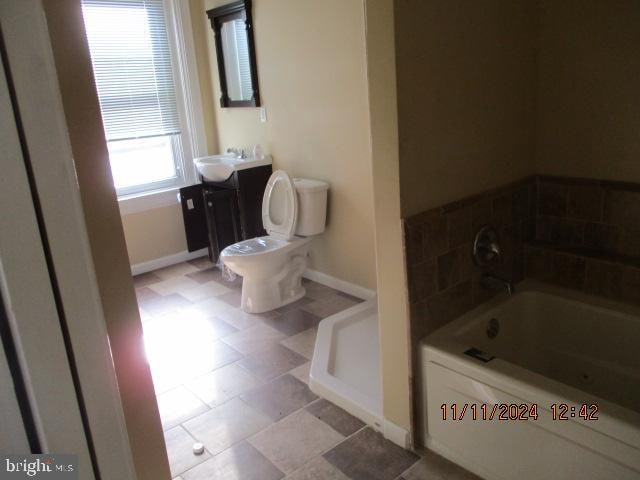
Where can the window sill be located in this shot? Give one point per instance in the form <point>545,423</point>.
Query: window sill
<point>141,202</point>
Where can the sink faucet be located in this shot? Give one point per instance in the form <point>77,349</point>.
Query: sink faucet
<point>238,152</point>
<point>496,283</point>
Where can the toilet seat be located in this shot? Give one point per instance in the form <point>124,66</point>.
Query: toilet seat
<point>261,246</point>
<point>280,196</point>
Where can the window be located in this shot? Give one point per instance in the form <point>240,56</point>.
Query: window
<point>138,78</point>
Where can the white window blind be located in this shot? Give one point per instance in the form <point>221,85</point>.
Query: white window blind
<point>132,65</point>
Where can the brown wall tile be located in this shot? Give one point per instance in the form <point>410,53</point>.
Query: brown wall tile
<point>552,199</point>
<point>559,268</point>
<point>622,208</point>
<point>459,222</point>
<point>568,270</point>
<point>413,244</point>
<point>435,237</point>
<point>629,241</point>
<point>603,278</point>
<point>448,269</point>
<point>423,279</point>
<point>449,304</point>
<point>599,236</point>
<point>560,231</point>
<point>586,202</point>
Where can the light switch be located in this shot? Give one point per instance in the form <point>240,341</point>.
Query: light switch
<point>190,203</point>
<point>263,114</point>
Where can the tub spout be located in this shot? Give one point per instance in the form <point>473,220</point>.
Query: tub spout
<point>496,283</point>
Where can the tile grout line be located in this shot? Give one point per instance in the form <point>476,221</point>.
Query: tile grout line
<point>329,449</point>
<point>238,395</point>
<point>272,424</point>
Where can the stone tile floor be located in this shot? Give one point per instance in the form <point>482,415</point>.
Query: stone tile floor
<point>238,383</point>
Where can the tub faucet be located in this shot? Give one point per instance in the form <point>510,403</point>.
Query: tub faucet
<point>496,283</point>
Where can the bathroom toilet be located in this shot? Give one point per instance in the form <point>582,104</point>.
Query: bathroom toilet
<point>272,266</point>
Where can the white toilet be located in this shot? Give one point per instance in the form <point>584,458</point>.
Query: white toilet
<point>271,267</point>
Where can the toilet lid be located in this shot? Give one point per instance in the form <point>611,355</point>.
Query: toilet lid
<point>280,206</point>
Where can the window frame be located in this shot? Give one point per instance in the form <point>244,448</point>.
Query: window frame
<point>188,99</point>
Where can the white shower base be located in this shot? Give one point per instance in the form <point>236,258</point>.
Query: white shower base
<point>346,362</point>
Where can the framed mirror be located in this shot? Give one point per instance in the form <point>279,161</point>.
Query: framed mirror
<point>233,31</point>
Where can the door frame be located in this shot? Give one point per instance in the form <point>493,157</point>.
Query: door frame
<point>46,255</point>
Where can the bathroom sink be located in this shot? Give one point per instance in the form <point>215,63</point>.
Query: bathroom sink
<point>217,168</point>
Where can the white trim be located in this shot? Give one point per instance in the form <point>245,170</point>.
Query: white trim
<point>187,64</point>
<point>156,263</point>
<point>339,284</point>
<point>396,434</point>
<point>148,201</point>
<point>189,102</point>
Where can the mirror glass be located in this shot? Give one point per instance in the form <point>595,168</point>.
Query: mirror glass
<point>235,51</point>
<point>232,26</point>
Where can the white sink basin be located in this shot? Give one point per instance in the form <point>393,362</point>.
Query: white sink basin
<point>218,168</point>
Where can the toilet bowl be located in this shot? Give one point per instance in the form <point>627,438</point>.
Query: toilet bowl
<point>293,211</point>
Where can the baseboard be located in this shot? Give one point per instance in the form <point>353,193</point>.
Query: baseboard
<point>396,434</point>
<point>338,284</point>
<point>167,261</point>
<point>323,278</point>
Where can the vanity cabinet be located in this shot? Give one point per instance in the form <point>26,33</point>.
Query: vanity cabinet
<point>230,211</point>
<point>222,215</point>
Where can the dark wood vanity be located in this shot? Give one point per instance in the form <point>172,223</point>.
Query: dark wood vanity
<point>219,214</point>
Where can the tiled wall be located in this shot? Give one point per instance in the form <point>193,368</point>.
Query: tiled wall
<point>577,233</point>
<point>587,237</point>
<point>581,234</point>
<point>443,279</point>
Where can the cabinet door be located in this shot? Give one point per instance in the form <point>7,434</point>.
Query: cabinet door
<point>221,207</point>
<point>251,185</point>
<point>195,225</point>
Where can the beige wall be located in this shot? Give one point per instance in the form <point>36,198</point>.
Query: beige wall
<point>312,73</point>
<point>154,233</point>
<point>589,89</point>
<point>82,112</point>
<point>393,315</point>
<point>466,96</point>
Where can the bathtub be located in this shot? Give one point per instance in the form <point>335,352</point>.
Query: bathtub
<point>542,384</point>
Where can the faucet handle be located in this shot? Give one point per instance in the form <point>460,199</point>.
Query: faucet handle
<point>486,247</point>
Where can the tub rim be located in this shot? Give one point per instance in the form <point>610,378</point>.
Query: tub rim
<point>440,347</point>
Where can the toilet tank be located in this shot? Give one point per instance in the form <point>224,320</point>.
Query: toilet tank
<point>312,206</point>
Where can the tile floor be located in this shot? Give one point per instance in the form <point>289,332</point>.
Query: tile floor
<point>237,383</point>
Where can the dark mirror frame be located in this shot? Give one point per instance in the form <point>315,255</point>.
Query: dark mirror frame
<point>218,16</point>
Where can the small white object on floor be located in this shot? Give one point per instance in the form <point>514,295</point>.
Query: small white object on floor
<point>198,448</point>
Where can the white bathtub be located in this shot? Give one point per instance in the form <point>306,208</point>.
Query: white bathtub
<point>553,347</point>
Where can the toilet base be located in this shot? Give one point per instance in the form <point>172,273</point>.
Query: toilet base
<point>264,294</point>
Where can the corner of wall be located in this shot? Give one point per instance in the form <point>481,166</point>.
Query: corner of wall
<point>393,312</point>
